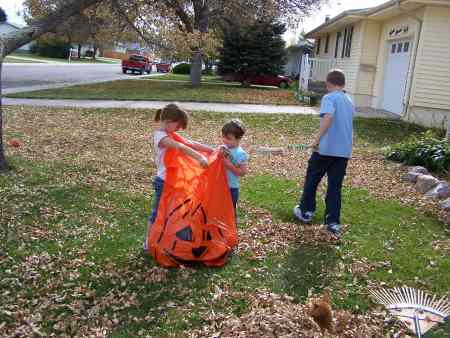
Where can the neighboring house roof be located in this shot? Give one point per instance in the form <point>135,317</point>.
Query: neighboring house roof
<point>355,15</point>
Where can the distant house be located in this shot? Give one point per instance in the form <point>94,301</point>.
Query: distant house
<point>294,54</point>
<point>396,57</point>
<point>123,50</point>
<point>6,27</point>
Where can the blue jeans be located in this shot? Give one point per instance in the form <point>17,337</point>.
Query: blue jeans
<point>158,185</point>
<point>234,197</point>
<point>335,168</point>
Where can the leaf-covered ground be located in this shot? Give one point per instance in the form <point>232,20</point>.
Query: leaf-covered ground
<point>164,90</point>
<point>73,218</point>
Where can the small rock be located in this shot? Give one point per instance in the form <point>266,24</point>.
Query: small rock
<point>441,191</point>
<point>410,177</point>
<point>418,170</point>
<point>271,150</point>
<point>446,204</point>
<point>425,183</point>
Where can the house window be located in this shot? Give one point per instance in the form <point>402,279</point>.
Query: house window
<point>393,48</point>
<point>406,47</point>
<point>318,46</point>
<point>336,49</point>
<point>399,47</point>
<point>348,47</point>
<point>327,43</point>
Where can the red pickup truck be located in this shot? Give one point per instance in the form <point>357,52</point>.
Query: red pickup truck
<point>138,64</point>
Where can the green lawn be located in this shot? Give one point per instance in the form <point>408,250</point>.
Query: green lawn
<point>183,77</point>
<point>9,59</point>
<point>74,212</point>
<point>167,91</point>
<point>38,58</point>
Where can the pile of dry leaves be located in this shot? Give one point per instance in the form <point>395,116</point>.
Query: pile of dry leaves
<point>273,315</point>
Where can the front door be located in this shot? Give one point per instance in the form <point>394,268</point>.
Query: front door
<point>396,75</point>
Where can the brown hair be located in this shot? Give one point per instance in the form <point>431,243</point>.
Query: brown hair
<point>172,113</point>
<point>336,77</point>
<point>234,127</point>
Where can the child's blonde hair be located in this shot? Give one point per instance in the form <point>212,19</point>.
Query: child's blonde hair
<point>172,113</point>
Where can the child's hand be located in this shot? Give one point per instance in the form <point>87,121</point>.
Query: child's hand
<point>203,162</point>
<point>315,144</point>
<point>224,151</point>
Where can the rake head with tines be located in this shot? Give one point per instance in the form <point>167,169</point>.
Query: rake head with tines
<point>417,309</point>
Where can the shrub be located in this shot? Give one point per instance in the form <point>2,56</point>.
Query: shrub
<point>89,54</point>
<point>53,48</point>
<point>182,68</point>
<point>427,150</point>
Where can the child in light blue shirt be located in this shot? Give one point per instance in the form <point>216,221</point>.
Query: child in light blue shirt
<point>236,158</point>
<point>332,150</point>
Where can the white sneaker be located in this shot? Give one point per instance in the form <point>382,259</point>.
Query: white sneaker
<point>305,217</point>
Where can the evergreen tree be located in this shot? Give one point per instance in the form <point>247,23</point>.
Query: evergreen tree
<point>256,48</point>
<point>3,16</point>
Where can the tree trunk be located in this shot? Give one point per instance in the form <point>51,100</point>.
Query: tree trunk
<point>201,22</point>
<point>95,52</point>
<point>3,163</point>
<point>196,68</point>
<point>79,50</point>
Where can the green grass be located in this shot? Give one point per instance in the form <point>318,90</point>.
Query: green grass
<point>183,77</point>
<point>167,91</point>
<point>15,60</point>
<point>93,233</point>
<point>38,58</point>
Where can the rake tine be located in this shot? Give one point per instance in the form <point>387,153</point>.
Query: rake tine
<point>382,296</point>
<point>390,297</point>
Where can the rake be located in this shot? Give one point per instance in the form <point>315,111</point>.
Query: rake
<point>417,309</point>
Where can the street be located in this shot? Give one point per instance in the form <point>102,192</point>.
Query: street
<point>28,76</point>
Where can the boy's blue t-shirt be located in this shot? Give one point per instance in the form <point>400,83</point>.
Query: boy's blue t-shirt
<point>338,140</point>
<point>237,156</point>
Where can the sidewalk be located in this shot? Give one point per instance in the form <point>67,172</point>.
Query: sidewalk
<point>210,107</point>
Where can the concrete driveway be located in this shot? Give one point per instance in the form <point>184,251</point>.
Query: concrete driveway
<point>19,77</point>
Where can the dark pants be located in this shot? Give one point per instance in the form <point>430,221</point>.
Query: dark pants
<point>335,168</point>
<point>234,197</point>
<point>158,185</point>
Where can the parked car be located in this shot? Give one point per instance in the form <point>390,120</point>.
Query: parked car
<point>138,64</point>
<point>264,80</point>
<point>163,67</point>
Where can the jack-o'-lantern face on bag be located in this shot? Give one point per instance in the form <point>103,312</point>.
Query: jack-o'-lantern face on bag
<point>195,221</point>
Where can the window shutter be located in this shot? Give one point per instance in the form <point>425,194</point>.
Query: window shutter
<point>336,49</point>
<point>318,46</point>
<point>327,43</point>
<point>349,42</point>
<point>344,43</point>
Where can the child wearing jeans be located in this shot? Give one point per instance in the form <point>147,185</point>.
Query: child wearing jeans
<point>171,119</point>
<point>332,150</point>
<point>236,158</point>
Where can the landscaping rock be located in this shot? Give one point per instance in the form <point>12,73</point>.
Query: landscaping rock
<point>410,177</point>
<point>425,183</point>
<point>441,191</point>
<point>446,204</point>
<point>418,170</point>
<point>270,150</point>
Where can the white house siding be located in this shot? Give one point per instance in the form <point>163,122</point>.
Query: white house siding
<point>399,21</point>
<point>350,65</point>
<point>368,62</point>
<point>431,85</point>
